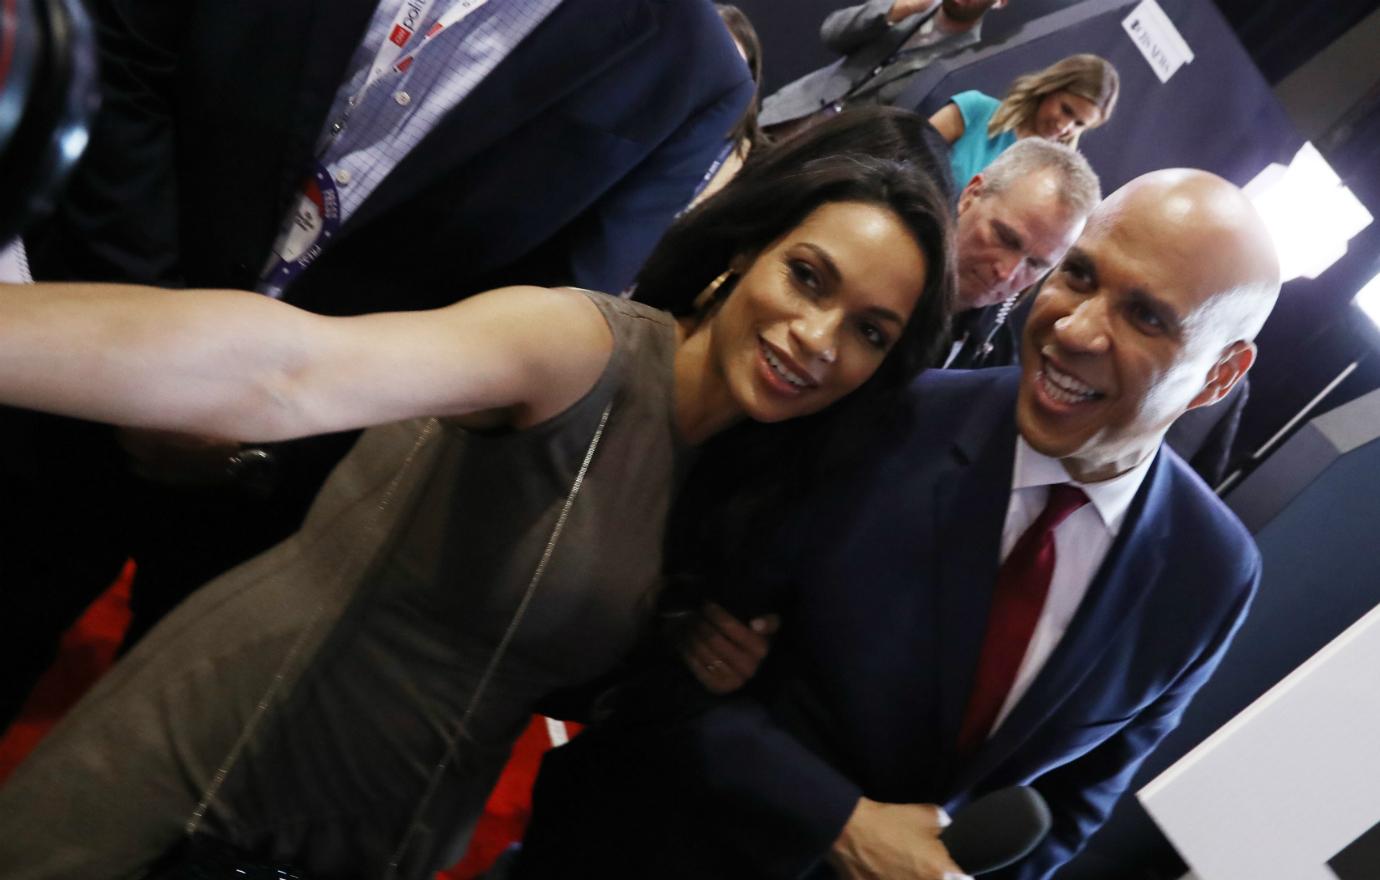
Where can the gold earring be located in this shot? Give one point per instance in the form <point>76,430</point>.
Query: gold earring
<point>716,290</point>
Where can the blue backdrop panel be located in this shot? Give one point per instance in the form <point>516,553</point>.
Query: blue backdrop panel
<point>1216,113</point>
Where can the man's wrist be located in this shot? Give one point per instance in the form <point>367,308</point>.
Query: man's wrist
<point>904,9</point>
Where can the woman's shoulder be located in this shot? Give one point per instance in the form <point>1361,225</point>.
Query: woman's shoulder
<point>639,349</point>
<point>973,101</point>
<point>626,318</point>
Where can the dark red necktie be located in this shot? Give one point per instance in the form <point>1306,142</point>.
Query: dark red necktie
<point>1022,584</point>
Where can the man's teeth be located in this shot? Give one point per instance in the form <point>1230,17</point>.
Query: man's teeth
<point>1065,388</point>
<point>781,369</point>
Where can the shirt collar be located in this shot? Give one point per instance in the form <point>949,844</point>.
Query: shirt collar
<point>1112,498</point>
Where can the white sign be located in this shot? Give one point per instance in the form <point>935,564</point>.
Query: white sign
<point>1158,40</point>
<point>1292,781</point>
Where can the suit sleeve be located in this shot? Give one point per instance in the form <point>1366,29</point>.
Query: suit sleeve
<point>773,805</point>
<point>1081,793</point>
<point>844,30</point>
<point>118,219</point>
<point>626,223</point>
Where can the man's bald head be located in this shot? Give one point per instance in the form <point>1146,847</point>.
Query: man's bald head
<point>1152,313</point>
<point>1207,224</point>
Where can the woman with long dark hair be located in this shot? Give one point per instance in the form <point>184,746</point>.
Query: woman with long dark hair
<point>344,702</point>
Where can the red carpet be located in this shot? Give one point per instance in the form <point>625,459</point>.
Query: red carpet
<point>89,648</point>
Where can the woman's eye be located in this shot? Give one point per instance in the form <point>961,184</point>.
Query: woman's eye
<point>804,274</point>
<point>874,336</point>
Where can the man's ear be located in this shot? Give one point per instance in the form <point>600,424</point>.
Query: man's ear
<point>1233,363</point>
<point>970,193</point>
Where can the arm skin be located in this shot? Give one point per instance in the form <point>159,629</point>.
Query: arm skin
<point>903,9</point>
<point>949,123</point>
<point>722,652</point>
<point>240,365</point>
<point>884,841</point>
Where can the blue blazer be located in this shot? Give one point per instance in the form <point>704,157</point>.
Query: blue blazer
<point>563,166</point>
<point>889,575</point>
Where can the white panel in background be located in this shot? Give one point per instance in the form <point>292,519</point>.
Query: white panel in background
<point>1159,41</point>
<point>14,263</point>
<point>1291,781</point>
<point>1368,300</point>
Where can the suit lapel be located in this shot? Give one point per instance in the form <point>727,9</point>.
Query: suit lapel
<point>564,51</point>
<point>970,510</point>
<point>1127,575</point>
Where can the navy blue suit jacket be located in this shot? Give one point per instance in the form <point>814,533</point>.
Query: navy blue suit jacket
<point>889,575</point>
<point>563,166</point>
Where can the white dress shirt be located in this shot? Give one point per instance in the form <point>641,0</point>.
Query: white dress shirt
<point>1080,543</point>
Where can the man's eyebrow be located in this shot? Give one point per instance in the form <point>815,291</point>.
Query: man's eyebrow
<point>1077,255</point>
<point>1012,236</point>
<point>1167,313</point>
<point>824,258</point>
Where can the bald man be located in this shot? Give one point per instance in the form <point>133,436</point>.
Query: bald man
<point>1024,586</point>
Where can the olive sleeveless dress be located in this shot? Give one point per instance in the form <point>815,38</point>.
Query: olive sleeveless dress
<point>329,703</point>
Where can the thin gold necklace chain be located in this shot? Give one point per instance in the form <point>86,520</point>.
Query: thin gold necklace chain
<point>246,733</point>
<point>496,658</point>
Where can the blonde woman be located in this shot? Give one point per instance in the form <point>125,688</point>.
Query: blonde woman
<point>1058,103</point>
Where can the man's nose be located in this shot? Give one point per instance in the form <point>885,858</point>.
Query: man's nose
<point>1009,269</point>
<point>1084,329</point>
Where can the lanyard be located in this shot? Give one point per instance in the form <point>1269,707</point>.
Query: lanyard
<point>410,15</point>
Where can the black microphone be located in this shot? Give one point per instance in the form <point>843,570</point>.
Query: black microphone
<point>997,829</point>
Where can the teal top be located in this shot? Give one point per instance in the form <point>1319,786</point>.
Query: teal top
<point>974,150</point>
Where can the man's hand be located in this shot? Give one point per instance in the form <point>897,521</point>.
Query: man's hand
<point>903,9</point>
<point>894,842</point>
<point>722,652</point>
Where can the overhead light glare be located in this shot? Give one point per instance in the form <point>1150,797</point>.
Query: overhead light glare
<point>1310,214</point>
<point>1368,300</point>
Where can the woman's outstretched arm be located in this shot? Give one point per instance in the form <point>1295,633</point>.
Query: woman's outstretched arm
<point>242,366</point>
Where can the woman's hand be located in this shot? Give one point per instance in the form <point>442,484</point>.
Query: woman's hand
<point>722,652</point>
